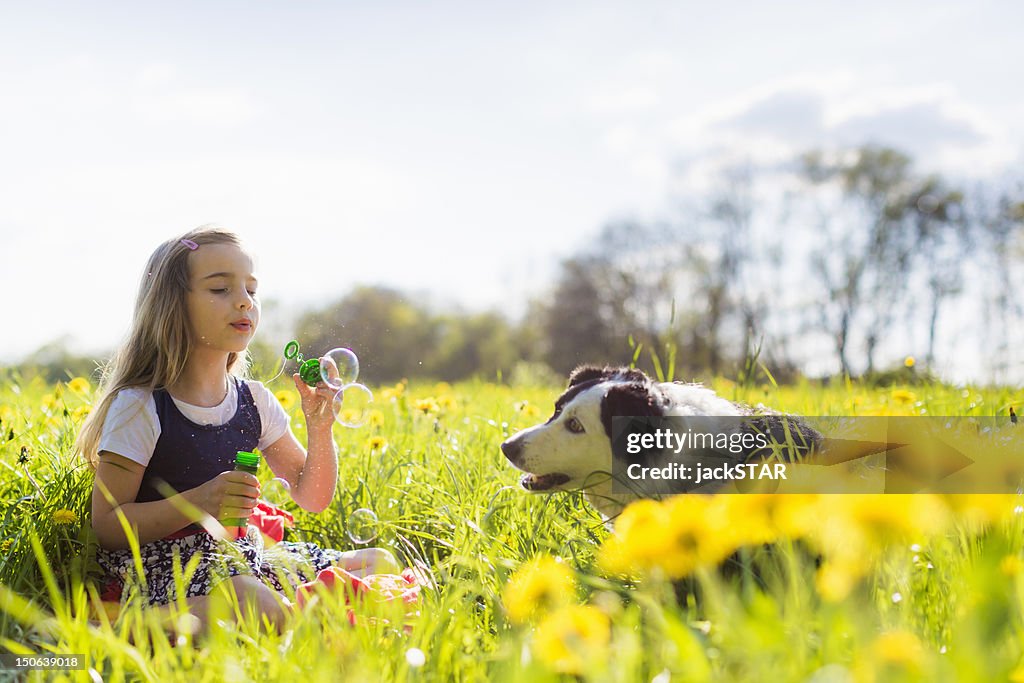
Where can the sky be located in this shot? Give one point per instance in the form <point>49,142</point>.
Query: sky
<point>458,150</point>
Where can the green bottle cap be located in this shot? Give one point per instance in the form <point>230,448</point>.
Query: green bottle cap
<point>247,459</point>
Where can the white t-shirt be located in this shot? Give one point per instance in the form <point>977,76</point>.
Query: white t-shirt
<point>132,427</point>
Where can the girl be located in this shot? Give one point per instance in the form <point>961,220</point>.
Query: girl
<point>173,411</point>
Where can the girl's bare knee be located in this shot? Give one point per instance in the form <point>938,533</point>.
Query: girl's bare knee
<point>265,600</point>
<point>197,619</point>
<point>384,561</point>
<point>371,561</point>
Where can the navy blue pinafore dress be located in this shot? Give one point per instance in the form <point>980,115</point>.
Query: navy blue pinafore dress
<point>187,455</point>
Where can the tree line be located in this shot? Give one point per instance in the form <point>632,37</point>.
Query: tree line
<point>844,256</point>
<point>833,264</point>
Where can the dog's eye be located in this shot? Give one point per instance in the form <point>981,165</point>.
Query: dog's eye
<point>574,425</point>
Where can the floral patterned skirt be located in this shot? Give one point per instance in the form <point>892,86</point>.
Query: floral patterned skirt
<point>285,563</point>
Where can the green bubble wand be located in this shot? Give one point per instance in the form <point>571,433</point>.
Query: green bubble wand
<point>338,369</point>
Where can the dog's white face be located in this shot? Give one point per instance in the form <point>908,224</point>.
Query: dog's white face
<point>564,451</point>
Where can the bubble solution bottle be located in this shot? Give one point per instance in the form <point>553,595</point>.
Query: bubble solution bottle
<point>244,462</point>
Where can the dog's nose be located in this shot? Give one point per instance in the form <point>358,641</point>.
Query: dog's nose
<point>512,449</point>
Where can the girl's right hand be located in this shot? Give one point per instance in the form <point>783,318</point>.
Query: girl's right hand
<point>229,495</point>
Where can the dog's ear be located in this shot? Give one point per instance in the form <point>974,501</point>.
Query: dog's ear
<point>586,373</point>
<point>633,399</point>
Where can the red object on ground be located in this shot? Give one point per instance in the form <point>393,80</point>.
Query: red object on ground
<point>111,589</point>
<point>383,587</point>
<point>271,521</point>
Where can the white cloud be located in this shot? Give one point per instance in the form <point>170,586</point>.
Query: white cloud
<point>768,124</point>
<point>791,115</point>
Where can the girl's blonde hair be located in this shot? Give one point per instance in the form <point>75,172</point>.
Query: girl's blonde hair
<point>160,339</point>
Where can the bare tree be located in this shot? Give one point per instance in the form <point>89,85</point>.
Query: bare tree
<point>578,320</point>
<point>863,265</point>
<point>942,235</point>
<point>1001,221</point>
<point>729,287</point>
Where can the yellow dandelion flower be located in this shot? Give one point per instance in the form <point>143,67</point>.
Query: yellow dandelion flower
<point>641,536</point>
<point>1017,675</point>
<point>81,412</point>
<point>1011,565</point>
<point>573,639</point>
<point>352,416</point>
<point>65,516</point>
<point>835,580</point>
<point>909,361</point>
<point>79,385</point>
<point>674,537</point>
<point>377,443</point>
<point>538,585</point>
<point>700,535</point>
<point>427,405</point>
<point>6,545</point>
<point>527,409</point>
<point>614,558</point>
<point>393,393</point>
<point>900,648</point>
<point>903,396</point>
<point>750,519</point>
<point>375,418</point>
<point>981,508</point>
<point>884,517</point>
<point>49,402</point>
<point>447,402</point>
<point>286,399</point>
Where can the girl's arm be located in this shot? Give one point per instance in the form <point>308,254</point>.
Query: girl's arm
<point>313,476</point>
<point>228,495</point>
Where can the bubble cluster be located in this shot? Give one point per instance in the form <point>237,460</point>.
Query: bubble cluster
<point>338,369</point>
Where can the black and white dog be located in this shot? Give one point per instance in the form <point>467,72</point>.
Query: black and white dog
<point>573,449</point>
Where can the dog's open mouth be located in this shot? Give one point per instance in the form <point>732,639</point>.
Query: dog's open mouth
<point>542,482</point>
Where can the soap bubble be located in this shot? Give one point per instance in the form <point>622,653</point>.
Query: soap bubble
<point>339,367</point>
<point>352,405</point>
<point>361,526</point>
<point>277,491</point>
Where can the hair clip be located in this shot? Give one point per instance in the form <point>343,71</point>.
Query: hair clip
<point>190,244</point>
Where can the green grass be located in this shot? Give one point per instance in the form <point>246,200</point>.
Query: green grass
<point>944,606</point>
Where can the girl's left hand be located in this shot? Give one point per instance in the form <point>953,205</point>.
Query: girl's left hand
<point>317,402</point>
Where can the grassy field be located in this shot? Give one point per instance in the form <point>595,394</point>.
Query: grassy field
<point>830,588</point>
